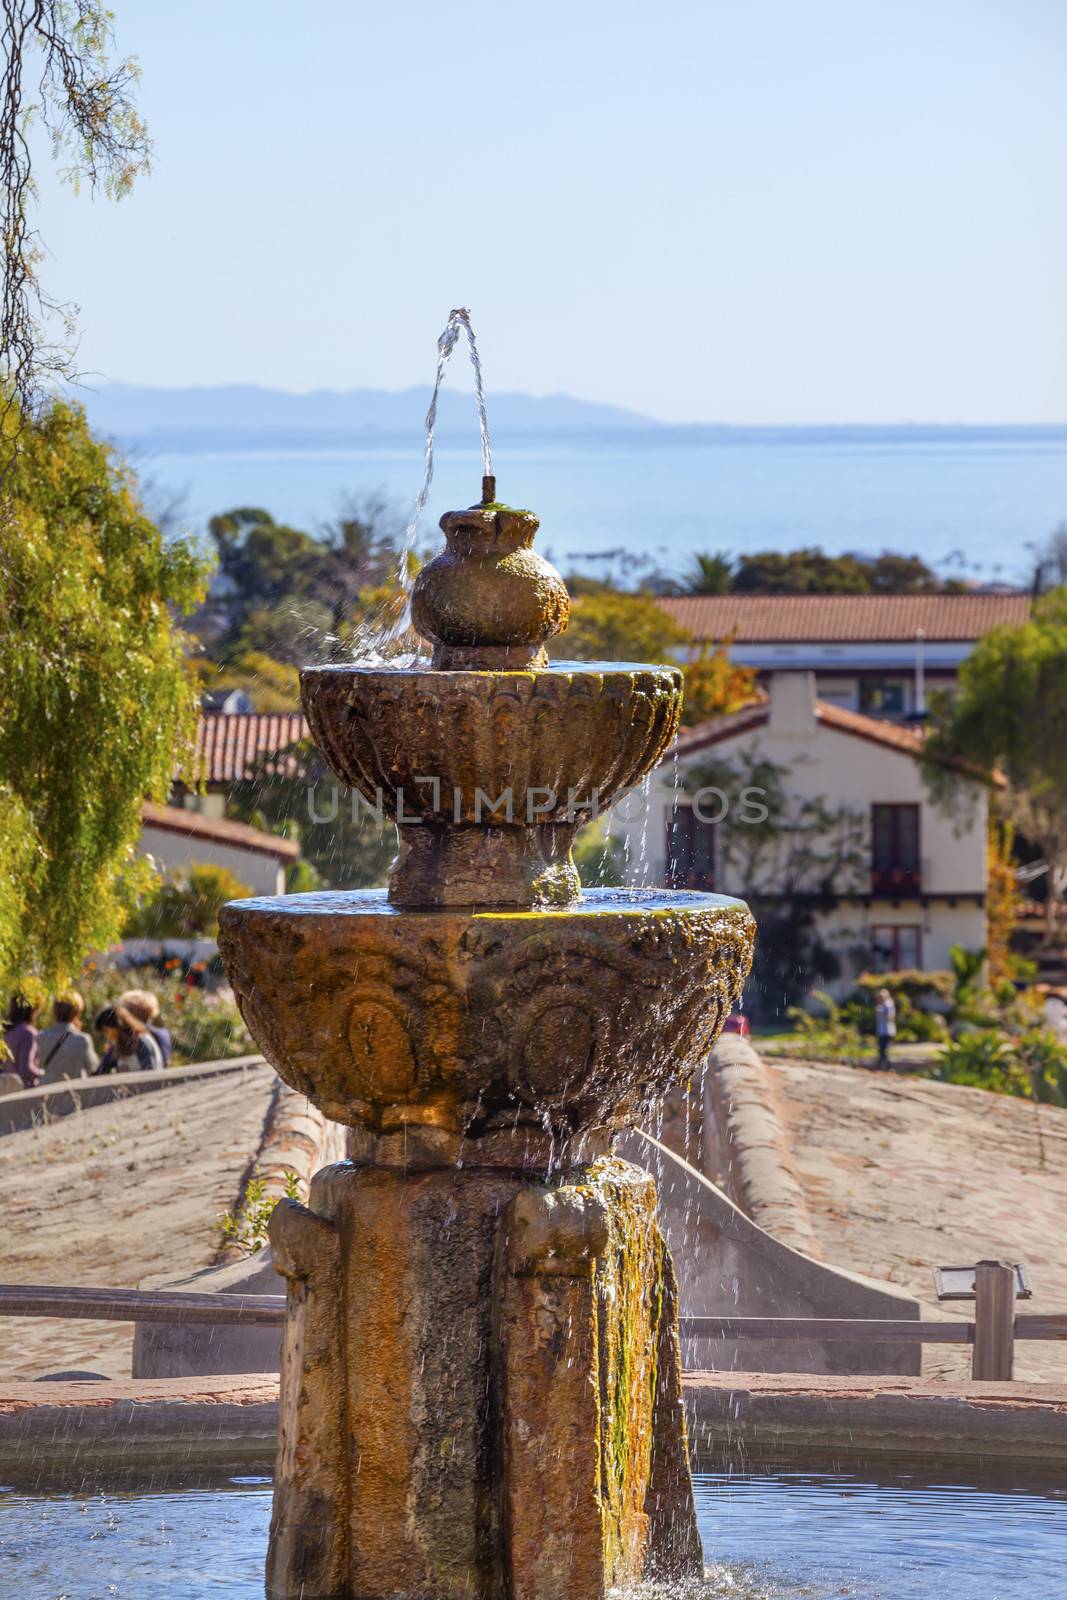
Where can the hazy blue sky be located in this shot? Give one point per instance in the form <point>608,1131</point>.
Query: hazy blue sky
<point>761,210</point>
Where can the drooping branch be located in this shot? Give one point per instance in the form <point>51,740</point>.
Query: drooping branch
<point>55,68</point>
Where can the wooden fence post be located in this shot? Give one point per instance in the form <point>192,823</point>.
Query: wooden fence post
<point>994,1321</point>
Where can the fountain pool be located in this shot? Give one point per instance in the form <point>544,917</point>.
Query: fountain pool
<point>868,1533</point>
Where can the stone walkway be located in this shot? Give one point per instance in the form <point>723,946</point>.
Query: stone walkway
<point>901,1174</point>
<point>115,1194</point>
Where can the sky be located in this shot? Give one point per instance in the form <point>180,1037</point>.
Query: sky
<point>768,212</point>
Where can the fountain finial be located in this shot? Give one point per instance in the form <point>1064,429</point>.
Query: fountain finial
<point>488,602</point>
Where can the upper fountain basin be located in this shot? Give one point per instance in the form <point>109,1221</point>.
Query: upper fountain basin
<point>559,743</point>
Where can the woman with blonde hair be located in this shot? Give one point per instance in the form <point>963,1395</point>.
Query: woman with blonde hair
<point>63,1049</point>
<point>144,1004</point>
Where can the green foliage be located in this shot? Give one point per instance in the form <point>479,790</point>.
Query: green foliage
<point>812,571</point>
<point>187,904</point>
<point>832,1035</point>
<point>983,1060</point>
<point>246,1228</point>
<point>911,984</point>
<point>613,626</point>
<point>1009,710</point>
<point>96,708</point>
<point>709,574</point>
<point>270,685</point>
<point>205,1025</point>
<point>1044,1059</point>
<point>967,966</point>
<point>292,596</point>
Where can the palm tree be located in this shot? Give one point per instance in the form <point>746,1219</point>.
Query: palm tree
<point>709,574</point>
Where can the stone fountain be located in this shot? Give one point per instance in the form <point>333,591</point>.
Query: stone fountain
<point>481,1381</point>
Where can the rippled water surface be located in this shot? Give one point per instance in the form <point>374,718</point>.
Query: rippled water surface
<point>768,1536</point>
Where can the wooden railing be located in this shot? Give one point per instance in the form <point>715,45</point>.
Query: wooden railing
<point>993,1338</point>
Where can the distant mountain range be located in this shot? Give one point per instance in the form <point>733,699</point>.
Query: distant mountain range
<point>239,415</point>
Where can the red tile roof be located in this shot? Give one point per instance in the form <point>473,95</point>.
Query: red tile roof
<point>844,618</point>
<point>228,743</point>
<point>894,735</point>
<point>218,830</point>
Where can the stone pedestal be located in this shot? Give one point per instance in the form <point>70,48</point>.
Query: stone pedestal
<point>481,1392</point>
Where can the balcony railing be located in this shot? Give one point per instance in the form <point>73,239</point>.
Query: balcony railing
<point>896,883</point>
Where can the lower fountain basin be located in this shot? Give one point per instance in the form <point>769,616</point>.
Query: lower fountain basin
<point>474,1021</point>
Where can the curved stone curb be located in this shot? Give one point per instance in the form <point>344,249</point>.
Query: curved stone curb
<point>297,1139</point>
<point>744,1107</point>
<point>906,1418</point>
<point>52,1100</point>
<point>62,1432</point>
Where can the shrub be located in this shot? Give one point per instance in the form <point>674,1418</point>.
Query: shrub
<point>1045,1060</point>
<point>187,905</point>
<point>984,1060</point>
<point>911,984</point>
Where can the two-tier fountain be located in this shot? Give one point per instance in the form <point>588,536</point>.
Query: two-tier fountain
<point>481,1386</point>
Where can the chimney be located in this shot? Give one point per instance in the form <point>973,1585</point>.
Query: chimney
<point>792,708</point>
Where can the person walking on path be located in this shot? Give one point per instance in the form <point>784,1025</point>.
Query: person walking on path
<point>64,1050</point>
<point>885,1025</point>
<point>20,1036</point>
<point>130,1046</point>
<point>145,1005</point>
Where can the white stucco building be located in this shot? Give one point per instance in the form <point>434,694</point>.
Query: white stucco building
<point>796,797</point>
<point>177,839</point>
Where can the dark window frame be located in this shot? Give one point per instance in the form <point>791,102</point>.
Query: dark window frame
<point>879,930</point>
<point>896,862</point>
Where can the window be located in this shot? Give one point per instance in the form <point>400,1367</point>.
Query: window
<point>690,850</point>
<point>880,698</point>
<point>895,867</point>
<point>897,949</point>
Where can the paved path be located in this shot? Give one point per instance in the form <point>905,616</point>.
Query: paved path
<point>116,1193</point>
<point>900,1174</point>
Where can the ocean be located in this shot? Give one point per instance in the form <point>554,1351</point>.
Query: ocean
<point>970,501</point>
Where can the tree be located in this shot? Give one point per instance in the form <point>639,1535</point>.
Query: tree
<point>614,626</point>
<point>270,685</point>
<point>1010,711</point>
<point>96,706</point>
<point>805,571</point>
<point>289,594</point>
<point>812,571</point>
<point>708,574</point>
<point>85,103</point>
<point>714,685</point>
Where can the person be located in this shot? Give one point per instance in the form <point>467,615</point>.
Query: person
<point>130,1046</point>
<point>144,1004</point>
<point>20,1036</point>
<point>64,1050</point>
<point>885,1024</point>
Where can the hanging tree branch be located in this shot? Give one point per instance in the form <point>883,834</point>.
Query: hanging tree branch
<point>86,105</point>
